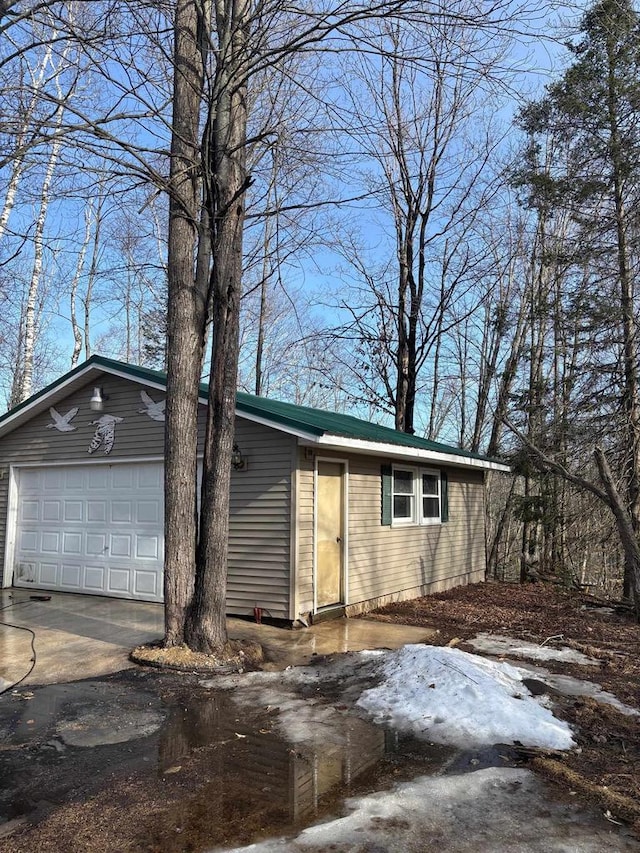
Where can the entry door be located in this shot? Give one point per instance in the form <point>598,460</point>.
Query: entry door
<point>330,534</point>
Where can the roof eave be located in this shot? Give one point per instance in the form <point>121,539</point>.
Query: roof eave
<point>41,400</point>
<point>306,434</point>
<point>404,452</point>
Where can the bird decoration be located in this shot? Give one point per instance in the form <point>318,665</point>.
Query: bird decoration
<point>62,422</point>
<point>151,408</point>
<point>105,433</point>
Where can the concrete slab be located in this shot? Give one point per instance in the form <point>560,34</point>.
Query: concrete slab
<point>76,636</point>
<point>83,636</point>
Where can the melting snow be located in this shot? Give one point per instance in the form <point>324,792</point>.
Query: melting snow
<point>451,697</point>
<point>497,810</point>
<point>494,644</point>
<point>443,695</point>
<point>446,696</point>
<point>569,686</point>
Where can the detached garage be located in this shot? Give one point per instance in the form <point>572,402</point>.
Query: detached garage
<point>328,512</point>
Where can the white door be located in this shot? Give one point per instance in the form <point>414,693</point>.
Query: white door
<point>91,528</point>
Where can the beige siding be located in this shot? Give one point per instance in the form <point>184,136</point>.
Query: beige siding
<point>390,563</point>
<point>259,533</point>
<point>259,552</point>
<point>305,521</point>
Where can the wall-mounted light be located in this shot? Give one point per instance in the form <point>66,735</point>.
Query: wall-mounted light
<point>96,403</point>
<point>237,459</point>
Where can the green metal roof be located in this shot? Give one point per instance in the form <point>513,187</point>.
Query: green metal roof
<point>321,422</point>
<point>314,422</point>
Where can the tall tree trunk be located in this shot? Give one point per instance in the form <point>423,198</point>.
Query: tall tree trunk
<point>506,381</point>
<point>402,353</point>
<point>18,161</point>
<point>75,327</point>
<point>631,396</point>
<point>186,317</point>
<point>206,626</point>
<point>92,274</point>
<point>29,337</point>
<point>624,524</point>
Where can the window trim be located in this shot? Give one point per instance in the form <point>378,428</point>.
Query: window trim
<point>417,519</point>
<point>403,521</point>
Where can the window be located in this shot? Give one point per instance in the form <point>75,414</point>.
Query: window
<point>403,495</point>
<point>414,496</point>
<point>430,497</point>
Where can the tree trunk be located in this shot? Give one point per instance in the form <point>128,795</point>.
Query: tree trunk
<point>29,338</point>
<point>185,324</point>
<point>630,397</point>
<point>26,126</point>
<point>624,524</point>
<point>206,626</point>
<point>75,327</point>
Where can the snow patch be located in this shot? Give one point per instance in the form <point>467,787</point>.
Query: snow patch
<point>451,697</point>
<point>497,810</point>
<point>569,686</point>
<point>494,644</point>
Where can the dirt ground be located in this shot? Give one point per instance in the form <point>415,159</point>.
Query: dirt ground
<point>214,773</point>
<point>604,768</point>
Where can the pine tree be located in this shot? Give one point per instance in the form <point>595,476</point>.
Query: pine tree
<point>583,168</point>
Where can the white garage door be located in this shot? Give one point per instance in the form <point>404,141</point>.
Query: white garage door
<point>91,528</point>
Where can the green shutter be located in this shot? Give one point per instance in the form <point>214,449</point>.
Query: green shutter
<point>386,478</point>
<point>444,496</point>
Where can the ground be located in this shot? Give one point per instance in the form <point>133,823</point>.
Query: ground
<point>155,760</point>
<point>605,767</point>
<point>237,656</point>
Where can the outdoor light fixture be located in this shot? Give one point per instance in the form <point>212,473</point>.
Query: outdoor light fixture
<point>96,403</point>
<point>237,459</point>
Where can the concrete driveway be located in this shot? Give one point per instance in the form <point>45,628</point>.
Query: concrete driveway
<point>85,636</point>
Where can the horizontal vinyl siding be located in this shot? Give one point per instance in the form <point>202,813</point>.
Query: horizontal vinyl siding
<point>304,573</point>
<point>135,435</point>
<point>259,535</point>
<point>389,560</point>
<point>260,523</point>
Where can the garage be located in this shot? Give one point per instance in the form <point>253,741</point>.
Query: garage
<point>93,528</point>
<point>82,499</point>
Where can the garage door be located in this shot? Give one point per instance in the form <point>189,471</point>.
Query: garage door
<point>91,528</point>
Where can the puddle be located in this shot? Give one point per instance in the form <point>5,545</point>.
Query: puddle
<point>265,785</point>
<point>225,773</point>
<point>189,768</point>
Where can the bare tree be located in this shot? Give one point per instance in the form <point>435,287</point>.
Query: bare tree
<point>418,122</point>
<point>220,54</point>
<point>246,40</point>
<point>590,116</point>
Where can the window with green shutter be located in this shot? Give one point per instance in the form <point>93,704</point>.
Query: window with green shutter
<point>413,495</point>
